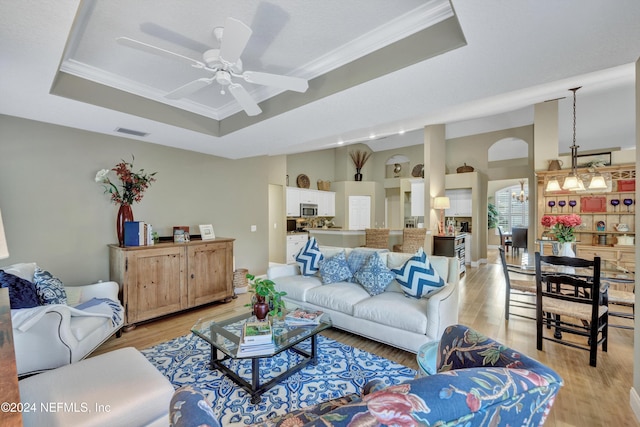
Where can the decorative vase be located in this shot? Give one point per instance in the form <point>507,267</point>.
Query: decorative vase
<point>567,250</point>
<point>125,213</point>
<point>358,175</point>
<point>260,308</point>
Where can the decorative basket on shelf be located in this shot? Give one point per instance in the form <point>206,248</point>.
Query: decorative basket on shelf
<point>464,169</point>
<point>324,185</point>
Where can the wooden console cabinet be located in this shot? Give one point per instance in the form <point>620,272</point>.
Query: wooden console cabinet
<point>170,277</point>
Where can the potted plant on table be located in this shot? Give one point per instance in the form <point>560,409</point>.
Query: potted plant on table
<point>267,299</point>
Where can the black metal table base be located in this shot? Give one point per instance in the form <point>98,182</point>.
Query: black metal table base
<point>254,388</point>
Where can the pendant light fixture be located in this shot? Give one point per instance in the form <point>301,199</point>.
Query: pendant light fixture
<point>573,182</point>
<point>553,185</point>
<point>598,182</point>
<point>520,197</point>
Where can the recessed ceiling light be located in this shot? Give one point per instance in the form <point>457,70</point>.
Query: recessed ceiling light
<point>401,132</point>
<point>340,142</point>
<point>372,136</point>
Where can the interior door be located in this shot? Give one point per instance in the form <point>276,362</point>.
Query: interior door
<point>359,212</point>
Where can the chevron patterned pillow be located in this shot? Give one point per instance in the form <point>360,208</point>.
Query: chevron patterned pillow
<point>309,258</point>
<point>417,277</point>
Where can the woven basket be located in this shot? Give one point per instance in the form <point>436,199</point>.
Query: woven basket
<point>324,185</point>
<point>464,169</point>
<point>240,278</point>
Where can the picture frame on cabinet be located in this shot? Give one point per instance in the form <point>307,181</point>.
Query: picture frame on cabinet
<point>206,232</point>
<point>180,234</point>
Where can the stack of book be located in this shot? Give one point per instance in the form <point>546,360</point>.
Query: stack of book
<point>302,317</point>
<point>256,339</point>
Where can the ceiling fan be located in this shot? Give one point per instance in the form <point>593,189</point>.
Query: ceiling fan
<point>224,64</point>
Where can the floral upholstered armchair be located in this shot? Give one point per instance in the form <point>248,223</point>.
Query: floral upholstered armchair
<point>480,382</point>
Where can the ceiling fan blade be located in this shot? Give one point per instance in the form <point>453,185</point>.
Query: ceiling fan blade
<point>244,99</point>
<point>126,41</point>
<point>189,88</point>
<point>169,35</point>
<point>284,82</point>
<point>235,38</point>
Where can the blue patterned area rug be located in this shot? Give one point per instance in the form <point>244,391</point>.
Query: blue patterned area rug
<point>341,369</point>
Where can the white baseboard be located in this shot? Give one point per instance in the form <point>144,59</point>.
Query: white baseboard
<point>634,401</point>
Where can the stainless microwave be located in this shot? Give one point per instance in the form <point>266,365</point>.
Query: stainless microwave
<point>308,210</point>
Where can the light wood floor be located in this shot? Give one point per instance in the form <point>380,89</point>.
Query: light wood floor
<point>590,397</point>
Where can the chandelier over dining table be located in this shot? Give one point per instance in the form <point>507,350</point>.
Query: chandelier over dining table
<point>573,181</point>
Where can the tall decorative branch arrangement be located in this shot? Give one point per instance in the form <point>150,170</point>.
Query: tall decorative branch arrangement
<point>359,158</point>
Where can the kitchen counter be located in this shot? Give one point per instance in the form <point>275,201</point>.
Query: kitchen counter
<point>349,238</point>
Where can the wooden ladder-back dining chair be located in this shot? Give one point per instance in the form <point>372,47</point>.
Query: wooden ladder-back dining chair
<point>376,238</point>
<point>412,240</point>
<point>520,289</point>
<point>621,294</point>
<point>571,300</point>
<point>504,240</point>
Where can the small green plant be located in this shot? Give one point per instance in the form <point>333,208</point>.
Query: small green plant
<point>493,216</point>
<point>266,288</point>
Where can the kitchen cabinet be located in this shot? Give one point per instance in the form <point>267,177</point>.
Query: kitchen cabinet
<point>325,200</point>
<point>601,211</point>
<point>417,198</point>
<point>326,203</point>
<point>308,196</point>
<point>295,242</point>
<point>452,246</point>
<point>293,202</point>
<point>459,202</point>
<point>169,277</point>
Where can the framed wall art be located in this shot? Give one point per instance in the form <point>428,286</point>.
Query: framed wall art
<point>596,159</point>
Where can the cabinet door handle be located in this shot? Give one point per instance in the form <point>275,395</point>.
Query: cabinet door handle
<point>192,275</point>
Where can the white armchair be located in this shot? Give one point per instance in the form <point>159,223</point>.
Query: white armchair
<point>48,337</point>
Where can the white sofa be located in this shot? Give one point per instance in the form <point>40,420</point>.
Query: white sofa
<point>390,317</point>
<point>57,335</point>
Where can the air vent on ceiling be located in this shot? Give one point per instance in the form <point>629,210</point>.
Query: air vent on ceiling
<point>131,132</point>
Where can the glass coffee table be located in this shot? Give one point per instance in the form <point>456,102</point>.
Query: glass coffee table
<point>224,338</point>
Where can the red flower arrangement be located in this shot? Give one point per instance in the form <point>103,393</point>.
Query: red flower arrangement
<point>134,184</point>
<point>563,225</point>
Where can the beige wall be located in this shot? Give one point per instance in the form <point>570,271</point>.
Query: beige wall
<point>55,214</point>
<point>318,165</point>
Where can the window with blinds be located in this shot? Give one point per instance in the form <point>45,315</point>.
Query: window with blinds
<point>511,212</point>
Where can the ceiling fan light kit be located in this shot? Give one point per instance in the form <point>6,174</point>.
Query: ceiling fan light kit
<point>225,64</point>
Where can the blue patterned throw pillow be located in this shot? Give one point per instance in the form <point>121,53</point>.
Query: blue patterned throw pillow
<point>50,289</point>
<point>417,277</point>
<point>374,275</point>
<point>309,258</point>
<point>22,293</point>
<point>335,269</point>
<point>356,260</point>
